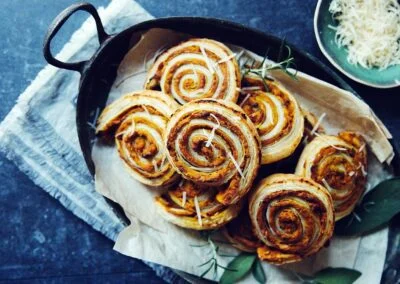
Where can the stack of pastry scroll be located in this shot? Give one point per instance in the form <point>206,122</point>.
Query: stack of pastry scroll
<point>200,132</point>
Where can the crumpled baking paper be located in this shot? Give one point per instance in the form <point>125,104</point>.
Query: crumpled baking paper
<point>150,238</point>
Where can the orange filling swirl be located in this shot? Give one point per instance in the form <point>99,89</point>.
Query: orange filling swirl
<point>137,122</point>
<point>178,206</point>
<point>212,142</point>
<point>276,115</point>
<point>338,163</point>
<point>292,216</point>
<point>196,69</point>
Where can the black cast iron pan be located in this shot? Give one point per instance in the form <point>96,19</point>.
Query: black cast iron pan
<point>99,72</point>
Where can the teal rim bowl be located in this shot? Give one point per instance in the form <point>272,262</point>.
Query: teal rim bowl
<point>387,78</point>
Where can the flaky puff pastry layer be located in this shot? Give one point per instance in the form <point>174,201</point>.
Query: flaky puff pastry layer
<point>196,69</point>
<point>293,216</point>
<point>276,115</point>
<point>137,122</point>
<point>339,163</point>
<point>213,142</point>
<point>178,206</point>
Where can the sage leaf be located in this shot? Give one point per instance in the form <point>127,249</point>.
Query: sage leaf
<point>336,276</point>
<point>237,268</point>
<point>376,209</point>
<point>258,272</point>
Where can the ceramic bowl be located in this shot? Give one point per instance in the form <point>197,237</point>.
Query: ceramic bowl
<point>325,36</point>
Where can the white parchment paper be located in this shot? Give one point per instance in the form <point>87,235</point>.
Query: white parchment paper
<point>151,238</point>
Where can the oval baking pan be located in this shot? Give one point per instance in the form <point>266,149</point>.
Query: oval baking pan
<point>99,72</point>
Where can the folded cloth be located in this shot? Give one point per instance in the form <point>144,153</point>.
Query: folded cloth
<point>34,136</point>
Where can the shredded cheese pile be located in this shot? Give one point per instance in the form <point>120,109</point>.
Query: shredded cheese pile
<point>244,100</point>
<point>370,30</point>
<point>184,194</point>
<point>198,211</point>
<point>208,62</point>
<point>226,59</point>
<point>328,143</point>
<point>236,164</point>
<point>156,169</point>
<point>318,123</point>
<point>212,134</point>
<point>326,184</point>
<point>147,111</point>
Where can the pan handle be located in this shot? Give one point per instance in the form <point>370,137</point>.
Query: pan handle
<point>59,22</point>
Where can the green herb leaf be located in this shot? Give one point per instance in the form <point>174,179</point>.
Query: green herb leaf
<point>376,209</point>
<point>238,268</point>
<point>336,276</point>
<point>262,70</point>
<point>258,272</point>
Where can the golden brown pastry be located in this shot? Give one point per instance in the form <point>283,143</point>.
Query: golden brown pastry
<point>293,216</point>
<point>213,142</point>
<point>137,122</point>
<point>195,69</point>
<point>239,233</point>
<point>339,163</point>
<point>178,206</point>
<point>276,115</point>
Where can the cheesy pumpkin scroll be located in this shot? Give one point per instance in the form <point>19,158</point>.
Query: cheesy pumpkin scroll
<point>339,163</point>
<point>193,206</point>
<point>213,142</point>
<point>195,69</point>
<point>137,122</point>
<point>277,116</point>
<point>293,216</point>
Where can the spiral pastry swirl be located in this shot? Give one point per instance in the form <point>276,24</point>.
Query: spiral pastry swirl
<point>196,69</point>
<point>277,116</point>
<point>239,233</point>
<point>213,142</point>
<point>293,216</point>
<point>178,206</point>
<point>137,122</point>
<point>339,163</point>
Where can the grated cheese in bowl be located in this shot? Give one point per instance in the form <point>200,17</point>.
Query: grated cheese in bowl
<point>370,30</point>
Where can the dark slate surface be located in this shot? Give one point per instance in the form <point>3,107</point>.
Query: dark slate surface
<point>39,239</point>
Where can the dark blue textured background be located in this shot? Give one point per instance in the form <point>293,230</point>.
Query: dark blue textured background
<point>39,239</point>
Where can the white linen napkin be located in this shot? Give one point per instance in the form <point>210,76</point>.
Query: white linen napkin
<point>33,134</point>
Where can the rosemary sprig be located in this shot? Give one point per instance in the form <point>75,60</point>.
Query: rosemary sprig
<point>283,66</point>
<point>265,66</point>
<point>212,262</point>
